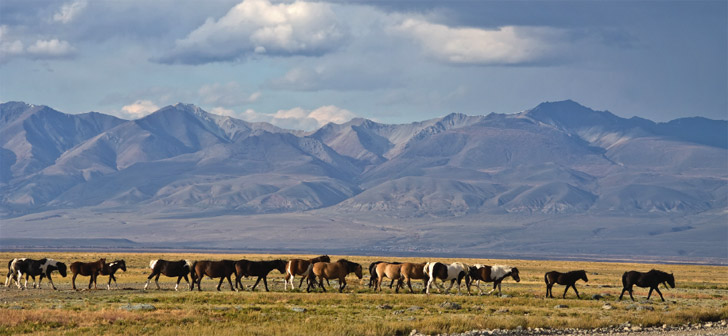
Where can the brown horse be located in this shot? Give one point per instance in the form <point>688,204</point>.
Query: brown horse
<point>392,271</point>
<point>300,267</point>
<point>569,279</point>
<point>414,271</point>
<point>337,270</point>
<point>222,269</point>
<point>91,269</point>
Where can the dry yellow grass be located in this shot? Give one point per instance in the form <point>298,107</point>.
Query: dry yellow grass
<point>701,295</point>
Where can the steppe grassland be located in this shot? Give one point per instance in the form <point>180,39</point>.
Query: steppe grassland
<point>701,295</point>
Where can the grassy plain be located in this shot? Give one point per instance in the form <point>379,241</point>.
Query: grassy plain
<point>701,295</point>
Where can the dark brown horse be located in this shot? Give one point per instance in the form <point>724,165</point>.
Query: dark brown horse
<point>650,279</point>
<point>569,279</point>
<point>111,268</point>
<point>222,269</point>
<point>260,269</point>
<point>91,269</point>
<point>336,270</point>
<point>414,271</point>
<point>300,267</point>
<point>178,269</point>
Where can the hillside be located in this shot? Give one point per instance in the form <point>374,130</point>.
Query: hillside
<point>558,160</point>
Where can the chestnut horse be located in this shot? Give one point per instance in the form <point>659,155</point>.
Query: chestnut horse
<point>91,269</point>
<point>392,271</point>
<point>300,267</point>
<point>569,279</point>
<point>651,279</point>
<point>222,269</point>
<point>337,270</point>
<point>414,271</point>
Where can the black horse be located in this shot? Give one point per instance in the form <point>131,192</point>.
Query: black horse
<point>178,269</point>
<point>222,269</point>
<point>569,279</point>
<point>651,279</point>
<point>260,269</point>
<point>111,268</point>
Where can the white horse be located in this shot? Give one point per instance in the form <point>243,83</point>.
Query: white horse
<point>455,271</point>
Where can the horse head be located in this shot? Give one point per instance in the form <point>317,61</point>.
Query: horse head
<point>122,264</point>
<point>670,279</point>
<point>324,258</point>
<point>280,265</point>
<point>358,270</point>
<point>515,275</point>
<point>582,275</point>
<point>61,268</point>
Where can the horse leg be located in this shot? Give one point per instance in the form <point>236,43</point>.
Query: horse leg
<point>73,281</point>
<point>51,280</point>
<point>301,282</point>
<point>658,292</point>
<point>620,295</point>
<point>230,281</point>
<point>650,292</point>
<point>91,281</point>
<point>576,291</point>
<point>547,289</point>
<point>179,278</point>
<point>40,280</point>
<point>342,284</point>
<point>188,281</point>
<point>156,280</point>
<point>265,283</point>
<point>452,282</point>
<point>149,278</point>
<point>565,290</point>
<point>220,283</point>
<point>108,285</point>
<point>391,283</point>
<point>378,284</point>
<point>256,283</point>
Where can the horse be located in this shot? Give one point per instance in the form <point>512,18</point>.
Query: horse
<point>257,268</point>
<point>178,269</point>
<point>495,274</point>
<point>373,273</point>
<point>651,279</point>
<point>392,271</point>
<point>31,268</point>
<point>111,268</point>
<point>336,270</point>
<point>300,267</point>
<point>453,272</point>
<point>222,269</point>
<point>91,269</point>
<point>411,271</point>
<point>569,279</point>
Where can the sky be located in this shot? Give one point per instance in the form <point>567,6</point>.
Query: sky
<point>303,64</point>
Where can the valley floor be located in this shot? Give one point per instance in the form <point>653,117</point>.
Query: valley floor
<point>701,295</point>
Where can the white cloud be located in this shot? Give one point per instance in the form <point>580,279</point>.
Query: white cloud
<point>300,118</point>
<point>223,111</point>
<point>69,11</point>
<point>229,94</point>
<point>506,45</point>
<point>50,49</point>
<point>259,27</point>
<point>139,108</point>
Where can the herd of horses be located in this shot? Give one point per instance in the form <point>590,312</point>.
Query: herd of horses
<point>318,269</point>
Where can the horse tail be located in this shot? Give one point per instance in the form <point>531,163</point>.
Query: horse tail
<point>546,278</point>
<point>153,263</point>
<point>624,280</point>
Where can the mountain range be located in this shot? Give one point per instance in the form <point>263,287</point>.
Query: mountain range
<point>550,164</point>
